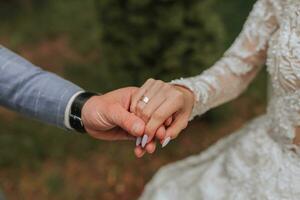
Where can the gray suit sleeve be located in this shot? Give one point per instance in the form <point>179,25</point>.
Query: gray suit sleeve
<point>32,91</point>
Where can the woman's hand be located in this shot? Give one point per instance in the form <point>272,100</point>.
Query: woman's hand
<point>155,102</point>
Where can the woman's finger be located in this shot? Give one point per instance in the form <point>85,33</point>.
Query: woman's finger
<point>180,123</point>
<point>167,109</point>
<point>169,121</point>
<point>160,134</point>
<point>139,152</point>
<point>150,147</point>
<point>156,96</point>
<point>140,106</point>
<point>137,96</point>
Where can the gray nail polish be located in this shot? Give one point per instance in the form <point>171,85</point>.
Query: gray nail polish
<point>138,141</point>
<point>144,140</point>
<point>166,142</point>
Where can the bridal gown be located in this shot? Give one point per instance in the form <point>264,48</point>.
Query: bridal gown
<point>259,161</point>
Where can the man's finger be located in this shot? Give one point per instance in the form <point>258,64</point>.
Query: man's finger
<point>112,135</point>
<point>127,121</point>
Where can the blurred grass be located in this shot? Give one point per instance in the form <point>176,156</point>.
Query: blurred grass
<point>42,162</point>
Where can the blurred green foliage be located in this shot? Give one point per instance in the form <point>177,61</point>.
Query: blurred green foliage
<point>31,21</point>
<point>160,39</point>
<point>133,40</point>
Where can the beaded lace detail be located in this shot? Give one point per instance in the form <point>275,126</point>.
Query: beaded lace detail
<point>230,76</point>
<point>259,161</point>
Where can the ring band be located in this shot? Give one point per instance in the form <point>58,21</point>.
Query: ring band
<point>145,99</point>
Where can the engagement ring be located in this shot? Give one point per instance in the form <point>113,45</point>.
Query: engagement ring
<point>145,99</point>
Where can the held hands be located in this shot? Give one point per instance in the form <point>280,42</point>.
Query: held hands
<point>107,117</point>
<point>165,109</point>
<point>157,110</point>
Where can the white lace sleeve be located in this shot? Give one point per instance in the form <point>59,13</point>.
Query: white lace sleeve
<point>231,75</point>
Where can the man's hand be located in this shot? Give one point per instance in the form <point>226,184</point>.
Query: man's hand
<point>107,117</point>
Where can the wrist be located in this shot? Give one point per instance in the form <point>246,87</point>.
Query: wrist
<point>89,111</point>
<point>76,111</point>
<point>188,94</point>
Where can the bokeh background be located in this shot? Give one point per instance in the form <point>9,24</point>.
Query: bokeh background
<point>102,45</point>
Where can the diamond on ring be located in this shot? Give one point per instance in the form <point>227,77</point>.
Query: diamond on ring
<point>145,99</point>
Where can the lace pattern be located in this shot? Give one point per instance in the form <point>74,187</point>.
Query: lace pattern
<point>259,161</point>
<point>230,76</point>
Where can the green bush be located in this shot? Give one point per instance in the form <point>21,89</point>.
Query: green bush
<point>163,39</point>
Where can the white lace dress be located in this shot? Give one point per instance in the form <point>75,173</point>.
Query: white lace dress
<point>258,161</point>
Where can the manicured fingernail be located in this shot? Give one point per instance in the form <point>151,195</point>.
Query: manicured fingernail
<point>137,128</point>
<point>138,141</point>
<point>166,142</point>
<point>144,140</point>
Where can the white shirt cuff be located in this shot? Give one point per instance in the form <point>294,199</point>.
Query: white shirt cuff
<point>68,110</point>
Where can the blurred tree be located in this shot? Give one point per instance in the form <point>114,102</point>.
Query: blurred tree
<point>163,39</point>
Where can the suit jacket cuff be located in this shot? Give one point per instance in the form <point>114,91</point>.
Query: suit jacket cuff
<point>68,110</point>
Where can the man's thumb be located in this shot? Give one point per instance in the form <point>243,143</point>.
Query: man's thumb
<point>128,121</point>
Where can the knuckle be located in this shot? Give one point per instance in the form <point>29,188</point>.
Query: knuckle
<point>178,96</point>
<point>160,82</point>
<point>150,80</point>
<point>167,86</point>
